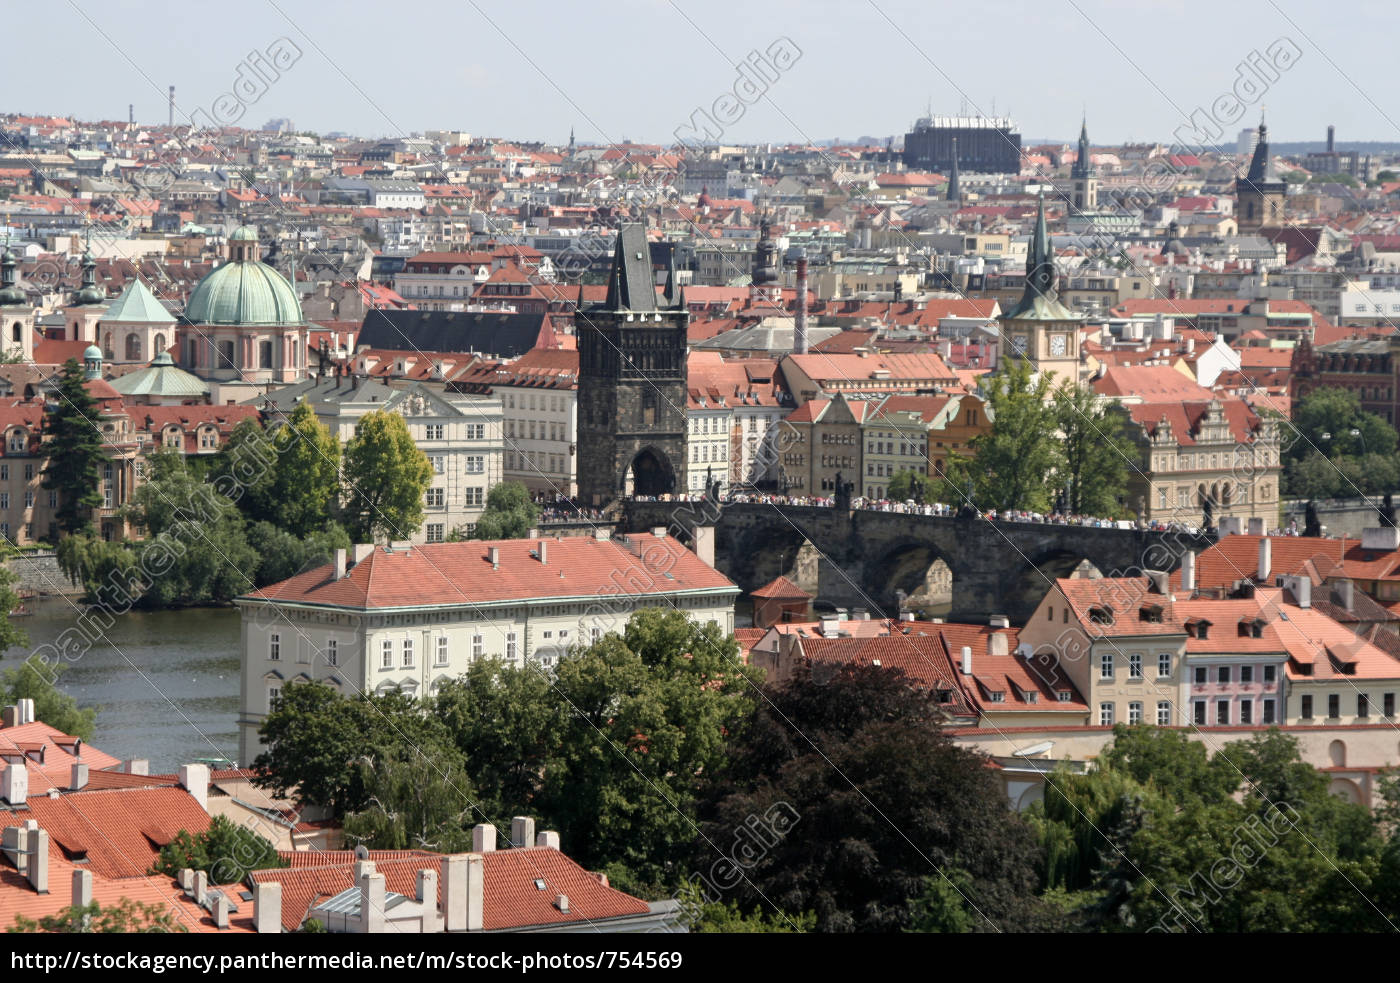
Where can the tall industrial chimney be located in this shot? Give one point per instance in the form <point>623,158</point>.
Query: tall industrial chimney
<point>799,328</point>
<point>131,112</point>
<point>1331,138</point>
<point>172,107</point>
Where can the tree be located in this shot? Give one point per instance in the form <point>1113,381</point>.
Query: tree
<point>910,484</point>
<point>1017,459</point>
<point>1323,421</point>
<point>124,917</point>
<point>386,477</point>
<point>415,800</point>
<point>307,476</point>
<point>73,450</point>
<point>10,635</point>
<point>1099,456</point>
<point>509,513</point>
<point>284,555</point>
<point>37,680</point>
<point>1385,177</point>
<point>245,469</point>
<point>1312,477</point>
<point>876,795</point>
<point>716,917</point>
<point>225,851</point>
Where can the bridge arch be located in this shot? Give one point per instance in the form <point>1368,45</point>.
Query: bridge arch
<point>921,570</point>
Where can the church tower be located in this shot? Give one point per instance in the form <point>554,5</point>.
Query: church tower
<point>1083,179</point>
<point>17,314</point>
<point>954,193</point>
<point>1039,328</point>
<point>1259,194</point>
<point>632,382</point>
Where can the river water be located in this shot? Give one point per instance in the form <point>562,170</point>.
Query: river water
<point>165,682</point>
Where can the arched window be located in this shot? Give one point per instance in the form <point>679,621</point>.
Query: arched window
<point>133,347</point>
<point>17,333</point>
<point>160,345</point>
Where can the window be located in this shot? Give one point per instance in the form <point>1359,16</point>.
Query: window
<point>1363,705</point>
<point>436,497</point>
<point>1135,665</point>
<point>1305,708</point>
<point>476,431</point>
<point>1064,696</point>
<point>595,635</point>
<point>1106,666</point>
<point>1246,711</point>
<point>440,657</point>
<point>29,472</point>
<point>274,697</point>
<point>434,431</point>
<point>408,653</point>
<point>53,499</point>
<point>386,655</point>
<point>475,497</point>
<point>435,532</point>
<point>1164,713</point>
<point>1269,673</point>
<point>1164,664</point>
<point>1334,706</point>
<point>439,464</point>
<point>4,500</point>
<point>1388,704</point>
<point>1269,712</point>
<point>4,472</point>
<point>511,652</point>
<point>477,647</point>
<point>1222,712</point>
<point>997,696</point>
<point>332,652</point>
<point>1200,675</point>
<point>1134,713</point>
<point>1223,674</point>
<point>1198,710</point>
<point>1105,714</point>
<point>29,499</point>
<point>476,464</point>
<point>274,646</point>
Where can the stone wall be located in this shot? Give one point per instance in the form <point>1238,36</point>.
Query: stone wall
<point>1339,517</point>
<point>39,572</point>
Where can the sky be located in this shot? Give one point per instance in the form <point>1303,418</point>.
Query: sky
<point>641,69</point>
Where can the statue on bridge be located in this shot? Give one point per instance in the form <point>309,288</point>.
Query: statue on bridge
<point>1208,514</point>
<point>1311,525</point>
<point>711,485</point>
<point>844,490</point>
<point>1387,510</point>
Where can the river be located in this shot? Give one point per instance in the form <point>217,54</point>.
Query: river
<point>165,682</point>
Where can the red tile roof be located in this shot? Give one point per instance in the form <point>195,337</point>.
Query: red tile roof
<point>781,587</point>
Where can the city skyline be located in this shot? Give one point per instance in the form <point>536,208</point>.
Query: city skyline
<point>520,80</point>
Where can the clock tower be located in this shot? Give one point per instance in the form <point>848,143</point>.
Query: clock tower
<point>1039,328</point>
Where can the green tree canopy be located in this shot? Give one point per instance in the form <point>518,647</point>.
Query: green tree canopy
<point>307,476</point>
<point>73,450</point>
<point>1099,454</point>
<point>509,513</point>
<point>386,477</point>
<point>125,917</point>
<point>225,851</point>
<point>1017,460</point>
<point>245,469</point>
<point>909,484</point>
<point>37,680</point>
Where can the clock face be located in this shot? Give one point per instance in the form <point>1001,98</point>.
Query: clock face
<point>1057,344</point>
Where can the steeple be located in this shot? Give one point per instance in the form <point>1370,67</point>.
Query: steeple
<point>90,292</point>
<point>765,257</point>
<point>1083,166</point>
<point>1039,301</point>
<point>630,283</point>
<point>954,191</point>
<point>1261,166</point>
<point>10,292</point>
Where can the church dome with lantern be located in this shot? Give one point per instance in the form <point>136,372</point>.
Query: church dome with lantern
<point>244,290</point>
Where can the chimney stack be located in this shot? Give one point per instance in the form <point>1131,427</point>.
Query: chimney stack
<point>426,894</point>
<point>483,838</point>
<point>1331,138</point>
<point>339,564</point>
<point>966,660</point>
<point>1188,572</point>
<point>522,831</point>
<point>195,780</point>
<point>372,892</point>
<point>1346,593</point>
<point>799,327</point>
<point>997,643</point>
<point>172,107</point>
<point>267,907</point>
<point>1265,560</point>
<point>494,555</point>
<point>548,838</point>
<point>14,783</point>
<point>78,776</point>
<point>541,552</point>
<point>703,539</point>
<point>82,888</point>
<point>39,860</point>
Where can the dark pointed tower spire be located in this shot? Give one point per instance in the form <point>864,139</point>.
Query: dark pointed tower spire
<point>1083,167</point>
<point>954,188</point>
<point>630,283</point>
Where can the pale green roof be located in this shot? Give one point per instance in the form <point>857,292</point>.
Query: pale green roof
<point>244,292</point>
<point>161,378</point>
<point>138,304</point>
<point>244,233</point>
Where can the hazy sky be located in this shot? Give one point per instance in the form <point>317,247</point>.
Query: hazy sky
<point>639,69</point>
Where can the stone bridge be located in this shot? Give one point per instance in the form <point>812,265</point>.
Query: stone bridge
<point>861,558</point>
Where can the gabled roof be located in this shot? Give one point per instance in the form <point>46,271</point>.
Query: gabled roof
<point>781,588</point>
<point>138,304</point>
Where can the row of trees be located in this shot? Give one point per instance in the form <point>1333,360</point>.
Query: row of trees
<point>838,805</point>
<point>1335,449</point>
<point>1048,448</point>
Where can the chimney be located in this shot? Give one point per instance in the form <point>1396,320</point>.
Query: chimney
<point>1345,590</point>
<point>14,783</point>
<point>483,838</point>
<point>522,831</point>
<point>602,534</point>
<point>703,539</point>
<point>1301,586</point>
<point>475,891</point>
<point>363,550</point>
<point>454,893</point>
<point>267,908</point>
<point>543,544</point>
<point>14,840</point>
<point>218,907</point>
<point>659,532</point>
<point>494,555</point>
<point>831,626</point>
<point>195,780</point>
<point>339,564</point>
<point>372,890</point>
<point>1188,572</point>
<point>966,660</point>
<point>1331,138</point>
<point>39,860</point>
<point>799,324</point>
<point>82,888</point>
<point>427,896</point>
<point>1256,527</point>
<point>137,766</point>
<point>78,776</point>
<point>549,839</point>
<point>201,886</point>
<point>997,643</point>
<point>1265,560</point>
<point>26,710</point>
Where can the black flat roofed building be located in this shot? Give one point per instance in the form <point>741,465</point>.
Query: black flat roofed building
<point>490,333</point>
<point>984,144</point>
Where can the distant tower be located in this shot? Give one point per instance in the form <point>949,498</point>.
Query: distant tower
<point>1259,194</point>
<point>131,112</point>
<point>1039,328</point>
<point>1331,139</point>
<point>571,141</point>
<point>1085,182</point>
<point>765,268</point>
<point>172,107</point>
<point>954,188</point>
<point>632,381</point>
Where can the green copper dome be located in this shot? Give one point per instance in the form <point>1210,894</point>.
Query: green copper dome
<point>244,291</point>
<point>244,233</point>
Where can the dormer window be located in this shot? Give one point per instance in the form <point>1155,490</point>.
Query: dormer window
<point>19,440</point>
<point>1064,696</point>
<point>1151,613</point>
<point>1030,696</point>
<point>996,696</point>
<point>1101,616</point>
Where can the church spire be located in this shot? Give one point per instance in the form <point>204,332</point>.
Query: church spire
<point>1083,166</point>
<point>631,286</point>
